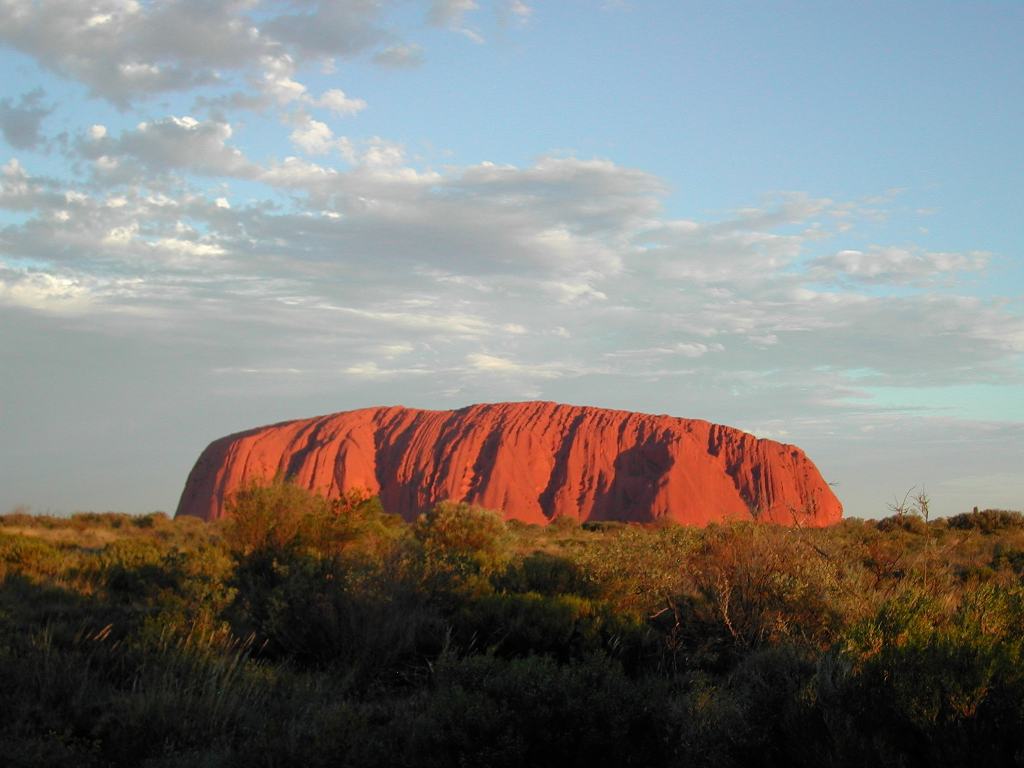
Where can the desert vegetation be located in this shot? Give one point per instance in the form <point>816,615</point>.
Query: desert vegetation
<point>312,632</point>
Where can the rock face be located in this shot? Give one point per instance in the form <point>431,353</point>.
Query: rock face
<point>535,461</point>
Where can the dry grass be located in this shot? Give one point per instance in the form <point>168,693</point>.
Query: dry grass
<point>89,538</point>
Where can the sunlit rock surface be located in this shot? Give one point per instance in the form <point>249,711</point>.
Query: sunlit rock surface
<point>534,461</point>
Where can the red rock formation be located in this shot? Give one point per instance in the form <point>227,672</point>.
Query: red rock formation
<point>535,461</point>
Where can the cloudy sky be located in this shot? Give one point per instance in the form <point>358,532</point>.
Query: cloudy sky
<point>798,218</point>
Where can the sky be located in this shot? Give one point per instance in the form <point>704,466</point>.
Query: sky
<point>803,219</point>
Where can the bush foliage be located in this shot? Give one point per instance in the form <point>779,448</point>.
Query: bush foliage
<point>317,632</point>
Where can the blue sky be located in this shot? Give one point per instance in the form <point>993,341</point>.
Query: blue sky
<point>802,219</point>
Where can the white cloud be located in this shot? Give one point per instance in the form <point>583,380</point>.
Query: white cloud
<point>106,164</point>
<point>568,292</point>
<point>899,265</point>
<point>121,236</point>
<point>278,82</point>
<point>405,56</point>
<point>20,121</point>
<point>21,192</point>
<point>520,9</point>
<point>169,144</point>
<point>482,362</point>
<point>186,249</point>
<point>313,137</point>
<point>329,28</point>
<point>124,50</point>
<point>450,12</point>
<point>513,13</point>
<point>695,349</point>
<point>127,51</point>
<point>279,86</point>
<point>337,102</point>
<point>44,292</point>
<point>383,154</point>
<point>371,370</point>
<point>293,172</point>
<point>492,364</point>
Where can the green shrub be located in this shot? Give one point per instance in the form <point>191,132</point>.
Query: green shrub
<point>327,612</point>
<point>30,556</point>
<point>762,713</point>
<point>929,680</point>
<point>521,624</point>
<point>635,569</point>
<point>546,574</point>
<point>481,710</point>
<point>462,545</point>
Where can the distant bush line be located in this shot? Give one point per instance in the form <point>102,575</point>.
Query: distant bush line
<point>311,632</point>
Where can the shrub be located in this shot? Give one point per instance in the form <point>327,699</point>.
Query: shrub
<point>564,626</point>
<point>152,520</point>
<point>907,522</point>
<point>30,556</point>
<point>545,574</point>
<point>280,517</point>
<point>486,711</point>
<point>463,545</point>
<point>635,569</point>
<point>752,585</point>
<point>1008,557</point>
<point>327,582</point>
<point>318,632</point>
<point>927,696</point>
<point>314,611</point>
<point>763,713</point>
<point>987,521</point>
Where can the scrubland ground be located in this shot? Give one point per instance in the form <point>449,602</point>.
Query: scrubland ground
<point>316,633</point>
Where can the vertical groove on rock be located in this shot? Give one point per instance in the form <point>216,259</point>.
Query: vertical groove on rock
<point>559,477</point>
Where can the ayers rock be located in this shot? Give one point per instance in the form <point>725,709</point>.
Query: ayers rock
<point>534,461</point>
